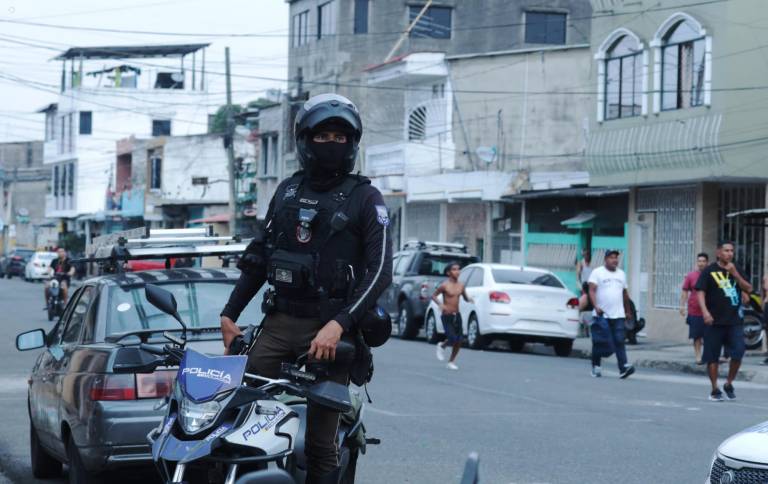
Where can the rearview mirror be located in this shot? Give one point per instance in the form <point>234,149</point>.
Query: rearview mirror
<point>30,340</point>
<point>330,394</point>
<point>161,299</point>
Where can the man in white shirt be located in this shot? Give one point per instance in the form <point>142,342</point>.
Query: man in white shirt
<point>609,296</point>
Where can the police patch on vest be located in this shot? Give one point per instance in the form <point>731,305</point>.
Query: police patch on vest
<point>290,191</point>
<point>303,234</point>
<point>381,215</point>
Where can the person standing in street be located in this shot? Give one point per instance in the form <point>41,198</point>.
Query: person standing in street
<point>694,318</point>
<point>451,290</point>
<point>609,296</point>
<point>719,290</point>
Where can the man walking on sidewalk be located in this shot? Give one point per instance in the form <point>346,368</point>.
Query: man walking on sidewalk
<point>695,319</point>
<point>451,290</point>
<point>719,290</point>
<point>609,296</point>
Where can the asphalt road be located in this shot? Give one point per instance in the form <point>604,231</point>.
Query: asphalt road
<point>532,418</point>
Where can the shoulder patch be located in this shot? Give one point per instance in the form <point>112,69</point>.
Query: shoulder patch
<point>382,216</point>
<point>290,191</point>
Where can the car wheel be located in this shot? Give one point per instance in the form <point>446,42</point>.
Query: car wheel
<point>431,329</point>
<point>563,347</point>
<point>78,474</point>
<point>405,324</point>
<point>516,345</point>
<point>43,465</point>
<point>475,339</point>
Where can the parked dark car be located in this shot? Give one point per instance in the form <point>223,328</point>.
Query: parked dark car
<point>83,413</point>
<point>417,270</point>
<point>15,262</point>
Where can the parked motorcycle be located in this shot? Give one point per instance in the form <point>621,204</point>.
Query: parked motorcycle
<point>754,323</point>
<point>55,304</point>
<point>227,422</point>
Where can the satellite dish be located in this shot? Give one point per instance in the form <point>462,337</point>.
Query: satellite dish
<point>486,153</point>
<point>22,212</point>
<point>249,212</point>
<point>177,77</point>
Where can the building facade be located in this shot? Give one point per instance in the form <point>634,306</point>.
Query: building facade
<point>107,94</point>
<point>678,120</point>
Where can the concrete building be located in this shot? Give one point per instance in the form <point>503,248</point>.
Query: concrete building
<point>679,120</point>
<point>107,94</point>
<point>439,144</point>
<point>24,184</point>
<point>173,181</point>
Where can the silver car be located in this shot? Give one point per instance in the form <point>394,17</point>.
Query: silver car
<point>81,412</point>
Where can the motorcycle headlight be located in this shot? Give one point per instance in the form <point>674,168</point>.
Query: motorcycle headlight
<point>197,416</point>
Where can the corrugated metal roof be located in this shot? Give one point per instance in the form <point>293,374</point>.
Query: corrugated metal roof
<point>130,51</point>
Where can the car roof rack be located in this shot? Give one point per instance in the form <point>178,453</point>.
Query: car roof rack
<point>443,246</point>
<point>145,243</point>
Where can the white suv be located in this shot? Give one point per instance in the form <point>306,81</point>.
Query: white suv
<point>742,458</point>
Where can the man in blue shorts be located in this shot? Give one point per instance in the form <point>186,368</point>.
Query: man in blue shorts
<point>695,319</point>
<point>451,290</point>
<point>719,291</point>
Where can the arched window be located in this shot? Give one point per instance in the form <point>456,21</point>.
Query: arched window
<point>623,79</point>
<point>683,66</point>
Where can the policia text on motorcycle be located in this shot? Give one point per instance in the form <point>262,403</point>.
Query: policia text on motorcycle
<point>326,252</point>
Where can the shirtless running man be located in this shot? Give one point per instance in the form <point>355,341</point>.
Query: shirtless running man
<point>451,290</point>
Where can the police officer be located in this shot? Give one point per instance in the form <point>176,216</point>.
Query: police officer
<point>326,252</point>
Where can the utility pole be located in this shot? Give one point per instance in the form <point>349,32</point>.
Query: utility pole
<point>229,143</point>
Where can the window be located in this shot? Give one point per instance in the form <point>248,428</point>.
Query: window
<point>326,20</point>
<point>623,79</point>
<point>301,28</point>
<point>434,24</point>
<point>161,127</point>
<point>77,316</point>
<point>435,265</point>
<point>56,181</point>
<point>361,16</point>
<point>169,80</point>
<point>465,275</point>
<point>402,265</point>
<point>534,278</point>
<point>545,28</point>
<point>476,279</point>
<point>86,124</point>
<point>71,180</point>
<point>682,69</point>
<point>438,91</point>
<point>417,124</point>
<point>155,169</point>
<point>199,180</point>
<point>50,125</point>
<point>269,155</point>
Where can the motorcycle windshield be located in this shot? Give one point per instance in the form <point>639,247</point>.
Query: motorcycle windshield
<point>203,377</point>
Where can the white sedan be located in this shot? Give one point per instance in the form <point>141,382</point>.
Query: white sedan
<point>37,267</point>
<point>742,457</point>
<point>517,304</point>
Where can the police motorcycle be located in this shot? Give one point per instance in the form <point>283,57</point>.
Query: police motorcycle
<point>222,422</point>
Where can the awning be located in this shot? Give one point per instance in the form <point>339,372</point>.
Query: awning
<point>585,192</point>
<point>212,219</point>
<point>580,221</point>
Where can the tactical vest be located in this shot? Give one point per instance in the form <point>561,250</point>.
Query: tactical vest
<point>316,239</point>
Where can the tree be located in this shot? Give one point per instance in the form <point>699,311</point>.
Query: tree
<point>219,122</point>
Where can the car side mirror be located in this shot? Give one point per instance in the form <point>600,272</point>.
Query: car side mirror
<point>30,340</point>
<point>330,394</point>
<point>161,299</point>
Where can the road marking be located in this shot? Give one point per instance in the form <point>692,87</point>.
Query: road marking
<point>390,413</point>
<point>13,384</point>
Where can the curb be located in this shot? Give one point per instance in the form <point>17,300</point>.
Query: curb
<point>686,368</point>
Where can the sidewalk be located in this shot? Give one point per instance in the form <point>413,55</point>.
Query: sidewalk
<point>677,357</point>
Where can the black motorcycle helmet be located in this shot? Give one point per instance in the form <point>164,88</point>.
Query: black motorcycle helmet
<point>327,111</point>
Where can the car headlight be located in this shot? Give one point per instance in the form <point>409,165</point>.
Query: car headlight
<point>197,416</point>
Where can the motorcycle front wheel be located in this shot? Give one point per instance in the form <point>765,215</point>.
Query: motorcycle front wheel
<point>753,329</point>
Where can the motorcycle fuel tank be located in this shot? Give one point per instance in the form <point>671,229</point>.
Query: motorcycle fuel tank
<point>203,377</point>
<point>271,427</point>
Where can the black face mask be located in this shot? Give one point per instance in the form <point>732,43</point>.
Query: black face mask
<point>329,158</point>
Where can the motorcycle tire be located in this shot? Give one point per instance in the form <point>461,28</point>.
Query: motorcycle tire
<point>753,329</point>
<point>51,313</point>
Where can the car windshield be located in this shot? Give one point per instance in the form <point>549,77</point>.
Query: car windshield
<point>23,253</point>
<point>49,256</point>
<point>518,276</point>
<point>199,305</point>
<point>435,264</point>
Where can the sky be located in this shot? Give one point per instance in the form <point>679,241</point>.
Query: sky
<point>26,50</point>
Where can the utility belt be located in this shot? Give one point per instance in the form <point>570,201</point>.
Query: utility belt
<point>325,309</point>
